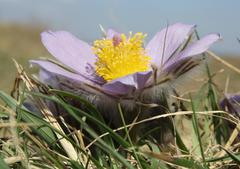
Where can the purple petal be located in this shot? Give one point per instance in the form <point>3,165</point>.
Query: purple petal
<point>183,62</point>
<point>179,67</point>
<point>167,41</point>
<point>235,98</point>
<point>199,46</point>
<point>121,86</point>
<point>127,84</point>
<point>141,78</point>
<point>45,76</point>
<point>55,69</point>
<point>118,88</point>
<point>69,50</point>
<point>48,78</point>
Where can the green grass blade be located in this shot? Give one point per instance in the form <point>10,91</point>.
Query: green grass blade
<point>41,128</point>
<point>234,157</point>
<point>91,108</point>
<point>196,129</point>
<point>12,103</point>
<point>156,163</point>
<point>189,163</point>
<point>128,136</point>
<point>180,144</point>
<point>181,162</point>
<point>220,126</point>
<point>76,165</point>
<point>44,132</point>
<point>3,165</point>
<point>223,158</point>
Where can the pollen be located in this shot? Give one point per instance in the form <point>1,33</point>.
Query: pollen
<point>120,56</point>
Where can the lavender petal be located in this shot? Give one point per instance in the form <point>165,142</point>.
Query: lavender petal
<point>118,88</point>
<point>55,69</point>
<point>199,46</point>
<point>48,78</point>
<point>69,50</point>
<point>141,78</point>
<point>167,41</point>
<point>127,84</point>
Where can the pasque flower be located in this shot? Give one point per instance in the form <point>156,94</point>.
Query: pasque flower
<point>119,65</point>
<point>120,69</point>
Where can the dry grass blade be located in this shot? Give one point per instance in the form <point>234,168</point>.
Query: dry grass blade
<point>181,98</point>
<point>49,117</point>
<point>230,66</point>
<point>230,141</point>
<point>12,160</point>
<point>15,137</point>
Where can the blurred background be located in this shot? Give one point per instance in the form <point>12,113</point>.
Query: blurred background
<point>21,22</point>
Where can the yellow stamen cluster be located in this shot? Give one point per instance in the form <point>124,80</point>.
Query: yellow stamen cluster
<point>118,60</point>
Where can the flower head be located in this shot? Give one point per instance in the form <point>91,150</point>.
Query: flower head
<point>120,65</point>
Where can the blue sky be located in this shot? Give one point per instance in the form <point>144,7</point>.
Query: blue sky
<point>82,17</point>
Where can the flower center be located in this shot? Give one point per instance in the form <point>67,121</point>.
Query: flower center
<point>120,56</point>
